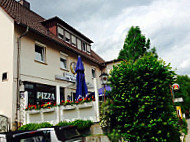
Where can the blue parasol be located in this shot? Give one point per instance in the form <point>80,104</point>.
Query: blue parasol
<point>81,88</point>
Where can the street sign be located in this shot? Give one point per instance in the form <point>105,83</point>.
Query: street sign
<point>175,87</point>
<point>178,100</point>
<point>179,112</point>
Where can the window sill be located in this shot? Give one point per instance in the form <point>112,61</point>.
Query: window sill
<point>41,62</point>
<point>64,69</point>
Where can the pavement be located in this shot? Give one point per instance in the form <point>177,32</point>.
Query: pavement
<point>188,135</point>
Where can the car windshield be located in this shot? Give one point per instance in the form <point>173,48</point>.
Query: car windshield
<point>67,133</point>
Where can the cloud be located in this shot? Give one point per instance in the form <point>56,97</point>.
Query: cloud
<point>165,22</point>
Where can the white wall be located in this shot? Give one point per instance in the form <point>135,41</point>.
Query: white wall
<point>6,63</point>
<point>44,73</point>
<point>67,113</point>
<point>34,71</point>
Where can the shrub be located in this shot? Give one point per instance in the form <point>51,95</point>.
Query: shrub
<point>142,108</point>
<point>35,126</point>
<point>184,126</point>
<point>63,123</point>
<point>81,124</point>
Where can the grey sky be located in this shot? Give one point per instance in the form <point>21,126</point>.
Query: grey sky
<point>106,22</point>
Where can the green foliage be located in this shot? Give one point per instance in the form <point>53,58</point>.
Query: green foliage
<point>81,124</point>
<point>114,136</point>
<point>105,110</point>
<point>142,108</point>
<point>35,126</point>
<point>184,128</point>
<point>63,123</point>
<point>184,92</point>
<point>135,45</point>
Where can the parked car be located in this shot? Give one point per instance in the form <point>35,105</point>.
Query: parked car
<point>23,136</point>
<point>62,134</point>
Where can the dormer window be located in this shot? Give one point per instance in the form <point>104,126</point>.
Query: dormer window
<point>79,44</point>
<point>88,48</point>
<point>60,32</point>
<point>83,46</point>
<point>67,36</point>
<point>73,40</point>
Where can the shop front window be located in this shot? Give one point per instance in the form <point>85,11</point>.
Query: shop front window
<point>39,94</point>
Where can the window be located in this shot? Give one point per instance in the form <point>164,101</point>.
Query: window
<point>79,44</point>
<point>40,93</point>
<point>63,63</point>
<point>93,73</point>
<point>62,94</point>
<point>73,38</point>
<point>88,48</point>
<point>39,53</point>
<point>71,97</point>
<point>63,60</point>
<point>67,36</point>
<point>83,46</point>
<point>4,76</point>
<point>60,32</point>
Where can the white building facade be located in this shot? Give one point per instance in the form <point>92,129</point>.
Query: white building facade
<point>37,63</point>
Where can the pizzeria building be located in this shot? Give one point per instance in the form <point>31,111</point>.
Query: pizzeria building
<point>37,65</point>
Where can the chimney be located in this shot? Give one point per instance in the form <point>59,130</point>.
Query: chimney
<point>25,3</point>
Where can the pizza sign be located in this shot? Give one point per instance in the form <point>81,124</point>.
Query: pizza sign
<point>175,86</point>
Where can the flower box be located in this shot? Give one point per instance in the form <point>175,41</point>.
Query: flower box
<point>85,105</point>
<point>48,110</point>
<point>33,111</point>
<point>69,107</point>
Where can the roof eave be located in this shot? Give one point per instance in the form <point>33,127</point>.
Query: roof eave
<point>70,49</point>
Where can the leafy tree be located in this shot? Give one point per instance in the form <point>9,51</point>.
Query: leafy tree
<point>141,106</point>
<point>184,92</point>
<point>135,45</point>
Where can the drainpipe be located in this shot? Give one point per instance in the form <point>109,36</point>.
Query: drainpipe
<point>18,77</point>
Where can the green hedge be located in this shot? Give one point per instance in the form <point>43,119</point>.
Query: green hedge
<point>81,125</point>
<point>35,126</point>
<point>183,125</point>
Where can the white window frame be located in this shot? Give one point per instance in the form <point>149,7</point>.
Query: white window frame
<point>67,36</point>
<point>59,33</point>
<point>88,48</point>
<point>43,46</point>
<point>83,48</point>
<point>79,44</point>
<point>73,40</point>
<point>64,57</point>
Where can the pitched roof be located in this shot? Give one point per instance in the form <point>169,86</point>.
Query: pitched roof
<point>67,26</point>
<point>113,61</point>
<point>26,17</point>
